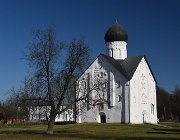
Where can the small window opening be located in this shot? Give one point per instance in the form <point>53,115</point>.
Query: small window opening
<point>112,52</point>
<point>119,98</point>
<point>117,84</point>
<point>85,99</point>
<point>101,74</point>
<point>104,85</point>
<point>152,109</point>
<point>101,107</point>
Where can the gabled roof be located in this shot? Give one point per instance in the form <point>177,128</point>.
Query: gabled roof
<point>130,64</point>
<point>127,66</point>
<point>117,64</point>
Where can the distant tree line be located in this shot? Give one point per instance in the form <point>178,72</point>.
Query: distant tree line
<point>168,105</point>
<point>15,107</point>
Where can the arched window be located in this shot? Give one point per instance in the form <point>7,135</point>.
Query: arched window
<point>83,84</point>
<point>117,83</point>
<point>85,99</point>
<point>119,53</point>
<point>119,98</point>
<point>104,85</point>
<point>112,52</point>
<point>101,107</point>
<point>100,64</point>
<point>152,109</point>
<point>101,74</point>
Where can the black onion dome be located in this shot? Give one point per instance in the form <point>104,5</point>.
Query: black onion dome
<point>116,33</point>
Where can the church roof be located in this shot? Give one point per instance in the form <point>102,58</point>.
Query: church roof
<point>127,66</point>
<point>130,64</point>
<point>116,33</point>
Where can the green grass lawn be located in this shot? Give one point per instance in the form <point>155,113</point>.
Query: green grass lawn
<point>91,131</point>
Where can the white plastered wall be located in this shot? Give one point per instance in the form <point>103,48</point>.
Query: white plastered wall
<point>143,95</point>
<point>117,49</point>
<point>118,110</point>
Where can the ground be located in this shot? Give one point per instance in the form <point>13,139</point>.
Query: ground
<point>91,131</point>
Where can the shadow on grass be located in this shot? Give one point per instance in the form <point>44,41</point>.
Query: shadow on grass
<point>165,131</point>
<point>25,132</point>
<point>77,134</point>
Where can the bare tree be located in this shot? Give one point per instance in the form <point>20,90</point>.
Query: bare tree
<point>56,67</point>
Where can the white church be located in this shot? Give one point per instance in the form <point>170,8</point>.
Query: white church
<point>117,88</point>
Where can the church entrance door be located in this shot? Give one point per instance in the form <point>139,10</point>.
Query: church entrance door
<point>103,117</point>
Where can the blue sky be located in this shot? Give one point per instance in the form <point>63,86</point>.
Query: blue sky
<point>153,28</point>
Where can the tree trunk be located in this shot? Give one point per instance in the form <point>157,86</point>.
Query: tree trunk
<point>51,125</point>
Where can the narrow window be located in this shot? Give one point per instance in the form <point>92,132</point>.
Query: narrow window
<point>100,63</point>
<point>66,117</point>
<point>104,85</point>
<point>117,84</point>
<point>119,53</point>
<point>84,84</point>
<point>112,52</point>
<point>102,74</point>
<point>101,107</point>
<point>152,109</point>
<point>85,99</point>
<point>119,98</point>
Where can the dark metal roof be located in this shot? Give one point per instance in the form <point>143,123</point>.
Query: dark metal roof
<point>127,66</point>
<point>116,33</point>
<point>117,64</point>
<point>130,64</point>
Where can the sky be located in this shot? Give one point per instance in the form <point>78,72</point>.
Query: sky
<point>153,28</point>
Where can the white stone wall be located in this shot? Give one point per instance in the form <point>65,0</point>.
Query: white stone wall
<point>41,113</point>
<point>117,49</point>
<point>65,116</point>
<point>114,93</point>
<point>143,108</point>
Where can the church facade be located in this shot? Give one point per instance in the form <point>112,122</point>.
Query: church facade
<point>117,88</point>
